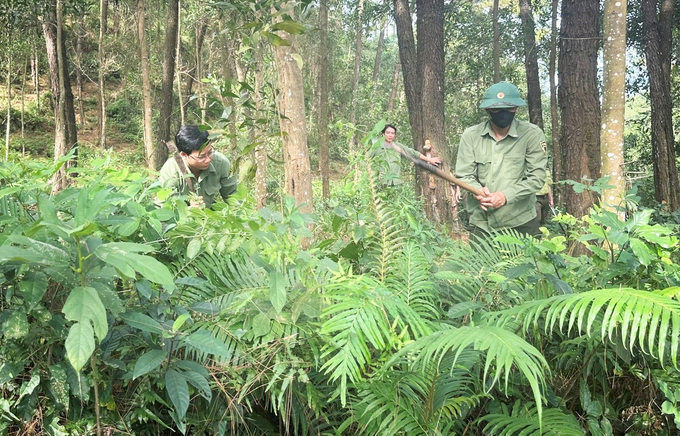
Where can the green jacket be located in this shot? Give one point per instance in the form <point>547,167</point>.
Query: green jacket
<point>515,166</point>
<point>211,182</point>
<point>389,161</point>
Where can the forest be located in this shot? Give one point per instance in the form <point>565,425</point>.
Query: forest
<point>314,300</point>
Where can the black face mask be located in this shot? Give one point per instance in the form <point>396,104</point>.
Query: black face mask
<point>502,118</point>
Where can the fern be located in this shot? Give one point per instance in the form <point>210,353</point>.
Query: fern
<point>527,420</point>
<point>651,319</point>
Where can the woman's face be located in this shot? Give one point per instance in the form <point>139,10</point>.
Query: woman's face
<point>390,134</point>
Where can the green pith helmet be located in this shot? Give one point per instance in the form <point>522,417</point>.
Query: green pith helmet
<point>502,95</point>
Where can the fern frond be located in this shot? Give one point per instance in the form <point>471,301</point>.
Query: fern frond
<point>362,317</point>
<point>651,319</point>
<point>410,280</point>
<point>525,420</point>
<point>504,350</point>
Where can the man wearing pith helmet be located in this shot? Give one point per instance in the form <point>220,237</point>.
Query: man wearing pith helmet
<point>506,158</point>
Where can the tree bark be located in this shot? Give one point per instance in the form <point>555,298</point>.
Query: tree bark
<point>531,63</point>
<point>160,154</point>
<point>357,72</point>
<point>192,75</point>
<point>554,117</point>
<point>322,122</point>
<point>658,43</point>
<point>579,99</point>
<point>297,169</point>
<point>378,54</point>
<point>101,96</point>
<point>9,102</point>
<point>496,44</point>
<point>79,70</point>
<point>395,86</point>
<point>409,66</point>
<point>613,104</point>
<point>146,85</point>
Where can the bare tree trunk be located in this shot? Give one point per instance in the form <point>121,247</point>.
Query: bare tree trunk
<point>297,170</point>
<point>79,70</point>
<point>395,86</point>
<point>357,72</point>
<point>658,43</point>
<point>9,103</point>
<point>192,76</point>
<point>378,54</point>
<point>116,17</point>
<point>531,63</point>
<point>178,69</point>
<point>167,99</point>
<point>579,99</point>
<point>322,123</point>
<point>496,44</point>
<point>23,105</point>
<point>614,104</point>
<point>409,66</point>
<point>146,86</point>
<point>101,96</point>
<point>35,73</point>
<point>557,169</point>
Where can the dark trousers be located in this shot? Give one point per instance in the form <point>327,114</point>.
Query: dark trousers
<point>542,208</point>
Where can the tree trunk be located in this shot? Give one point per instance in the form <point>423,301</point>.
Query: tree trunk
<point>531,63</point>
<point>409,66</point>
<point>554,118</point>
<point>395,86</point>
<point>192,75</point>
<point>297,170</point>
<point>79,70</point>
<point>378,54</point>
<point>101,96</point>
<point>146,86</point>
<point>496,44</point>
<point>613,104</point>
<point>9,103</point>
<point>579,99</point>
<point>357,73</point>
<point>658,43</point>
<point>322,122</point>
<point>35,73</point>
<point>430,25</point>
<point>260,151</point>
<point>178,69</point>
<point>160,154</point>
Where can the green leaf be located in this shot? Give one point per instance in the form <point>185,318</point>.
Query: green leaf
<point>260,325</point>
<point>275,39</point>
<point>178,391</point>
<point>79,344</point>
<point>142,322</point>
<point>179,322</point>
<point>152,269</point>
<point>643,252</point>
<point>33,287</point>
<point>193,248</point>
<point>199,382</point>
<point>15,326</point>
<point>148,362</point>
<point>277,290</point>
<point>206,343</point>
<point>292,27</point>
<point>83,304</point>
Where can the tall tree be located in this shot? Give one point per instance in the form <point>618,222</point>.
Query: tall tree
<point>297,168</point>
<point>357,70</point>
<point>322,122</point>
<point>101,95</point>
<point>658,29</point>
<point>531,63</point>
<point>160,154</point>
<point>579,99</point>
<point>496,44</point>
<point>613,102</point>
<point>395,85</point>
<point>378,53</point>
<point>146,86</point>
<point>554,117</point>
<point>65,132</point>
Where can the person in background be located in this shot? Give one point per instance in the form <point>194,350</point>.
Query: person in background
<point>198,169</point>
<point>506,158</point>
<point>388,159</point>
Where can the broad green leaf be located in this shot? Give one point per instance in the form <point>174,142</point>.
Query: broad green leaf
<point>643,252</point>
<point>151,269</point>
<point>179,322</point>
<point>79,344</point>
<point>200,382</point>
<point>178,391</point>
<point>27,388</point>
<point>193,248</point>
<point>15,326</point>
<point>125,247</point>
<point>206,343</point>
<point>33,287</point>
<point>83,304</point>
<point>58,385</point>
<point>117,260</point>
<point>292,27</point>
<point>142,322</point>
<point>148,362</point>
<point>277,290</point>
<point>275,39</point>
<point>84,229</point>
<point>260,325</point>
<point>129,227</point>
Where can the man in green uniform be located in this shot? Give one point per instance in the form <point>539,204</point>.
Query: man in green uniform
<point>198,168</point>
<point>388,159</point>
<point>506,158</point>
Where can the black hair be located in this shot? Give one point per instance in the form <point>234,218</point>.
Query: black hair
<point>190,138</point>
<point>387,126</point>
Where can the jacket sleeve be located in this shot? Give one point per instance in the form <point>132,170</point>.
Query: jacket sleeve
<point>535,163</point>
<point>466,168</point>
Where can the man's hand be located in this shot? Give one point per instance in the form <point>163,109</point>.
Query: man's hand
<point>491,200</point>
<point>196,201</point>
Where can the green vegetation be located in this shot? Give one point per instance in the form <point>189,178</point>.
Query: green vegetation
<point>143,318</point>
